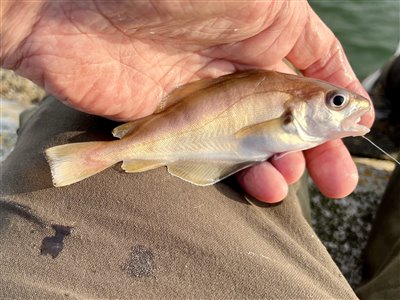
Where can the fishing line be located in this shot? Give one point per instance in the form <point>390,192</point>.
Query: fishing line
<point>381,149</point>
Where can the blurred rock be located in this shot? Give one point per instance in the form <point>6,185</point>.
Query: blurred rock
<point>9,123</point>
<point>344,225</point>
<point>17,88</point>
<point>16,95</point>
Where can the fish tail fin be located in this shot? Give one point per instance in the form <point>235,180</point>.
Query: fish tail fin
<point>71,163</point>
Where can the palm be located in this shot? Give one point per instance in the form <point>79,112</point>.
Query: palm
<point>123,73</point>
<point>119,59</point>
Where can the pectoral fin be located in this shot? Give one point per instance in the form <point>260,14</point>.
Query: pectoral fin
<point>262,128</point>
<point>203,173</point>
<point>285,122</point>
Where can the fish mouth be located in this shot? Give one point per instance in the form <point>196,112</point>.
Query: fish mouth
<point>352,123</point>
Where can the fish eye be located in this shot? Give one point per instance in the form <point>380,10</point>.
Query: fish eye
<point>336,100</point>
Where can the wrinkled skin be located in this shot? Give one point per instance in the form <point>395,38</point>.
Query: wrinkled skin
<point>118,59</point>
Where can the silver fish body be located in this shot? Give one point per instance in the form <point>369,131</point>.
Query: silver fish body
<point>212,128</point>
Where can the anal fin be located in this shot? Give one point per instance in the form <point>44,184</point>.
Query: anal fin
<point>203,173</point>
<point>136,166</point>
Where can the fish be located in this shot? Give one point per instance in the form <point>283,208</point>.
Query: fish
<point>209,129</point>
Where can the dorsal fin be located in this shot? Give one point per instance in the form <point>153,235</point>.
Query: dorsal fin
<point>178,94</point>
<point>175,96</point>
<point>182,91</point>
<point>186,89</point>
<point>126,128</point>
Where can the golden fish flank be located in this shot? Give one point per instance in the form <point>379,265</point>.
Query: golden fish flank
<point>212,128</point>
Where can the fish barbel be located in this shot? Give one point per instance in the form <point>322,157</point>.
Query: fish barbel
<point>209,129</point>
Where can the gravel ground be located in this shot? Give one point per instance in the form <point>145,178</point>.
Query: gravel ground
<point>342,225</point>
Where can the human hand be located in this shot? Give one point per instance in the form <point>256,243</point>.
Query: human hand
<point>118,59</point>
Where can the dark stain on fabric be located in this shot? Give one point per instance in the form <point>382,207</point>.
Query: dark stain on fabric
<point>10,208</point>
<point>4,220</point>
<point>140,263</point>
<point>53,245</point>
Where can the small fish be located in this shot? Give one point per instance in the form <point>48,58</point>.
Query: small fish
<point>209,129</point>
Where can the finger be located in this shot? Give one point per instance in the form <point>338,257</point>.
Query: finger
<point>332,169</point>
<point>264,183</point>
<point>268,45</point>
<point>291,166</point>
<point>319,54</point>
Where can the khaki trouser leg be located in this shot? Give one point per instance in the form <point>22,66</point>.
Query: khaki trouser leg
<point>146,235</point>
